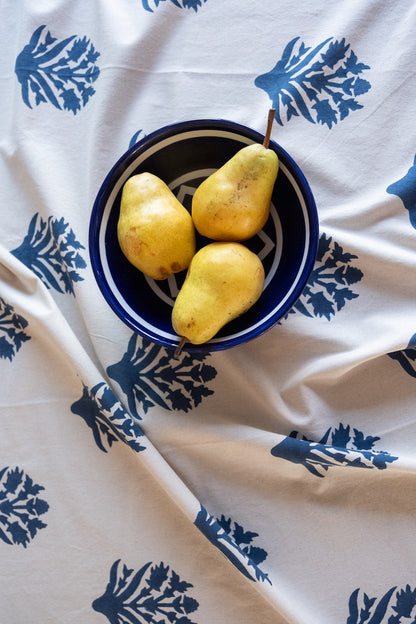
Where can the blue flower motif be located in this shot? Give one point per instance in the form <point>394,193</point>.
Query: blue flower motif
<point>149,375</point>
<point>406,357</point>
<point>329,285</point>
<point>12,328</point>
<point>337,447</point>
<point>61,73</point>
<point>136,136</point>
<point>20,507</point>
<point>235,543</point>
<point>405,603</point>
<point>184,4</point>
<point>405,188</point>
<point>107,419</point>
<point>321,84</point>
<point>394,607</point>
<point>51,250</point>
<point>155,593</point>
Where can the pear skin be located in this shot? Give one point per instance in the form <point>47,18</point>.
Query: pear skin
<point>224,280</point>
<point>233,203</point>
<point>154,230</point>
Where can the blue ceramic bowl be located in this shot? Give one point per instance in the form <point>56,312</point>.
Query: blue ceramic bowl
<point>182,155</point>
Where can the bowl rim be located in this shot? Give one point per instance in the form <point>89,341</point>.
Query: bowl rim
<point>130,156</point>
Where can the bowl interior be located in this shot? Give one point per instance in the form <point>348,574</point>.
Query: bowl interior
<point>183,155</point>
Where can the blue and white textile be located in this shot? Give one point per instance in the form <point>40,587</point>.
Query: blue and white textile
<point>272,483</point>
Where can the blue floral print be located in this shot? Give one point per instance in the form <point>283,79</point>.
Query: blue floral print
<point>235,543</point>
<point>338,447</point>
<point>330,284</point>
<point>148,375</point>
<point>58,72</point>
<point>107,419</point>
<point>155,593</point>
<point>321,84</point>
<point>396,606</point>
<point>51,250</point>
<point>183,4</point>
<point>406,357</point>
<point>20,507</point>
<point>12,330</point>
<point>405,188</point>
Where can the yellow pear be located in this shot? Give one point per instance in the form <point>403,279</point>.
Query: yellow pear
<point>233,203</point>
<point>155,232</point>
<point>224,280</point>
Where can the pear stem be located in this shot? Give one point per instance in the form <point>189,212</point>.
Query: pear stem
<point>180,347</point>
<point>270,118</point>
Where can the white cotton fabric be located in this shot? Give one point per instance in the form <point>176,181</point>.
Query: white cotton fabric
<point>336,537</point>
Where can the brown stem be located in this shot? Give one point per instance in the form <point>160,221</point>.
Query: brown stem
<point>270,118</point>
<point>180,347</point>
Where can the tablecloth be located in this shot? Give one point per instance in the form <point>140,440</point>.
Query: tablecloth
<point>270,483</point>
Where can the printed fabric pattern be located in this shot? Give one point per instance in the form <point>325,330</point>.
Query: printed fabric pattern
<point>145,486</point>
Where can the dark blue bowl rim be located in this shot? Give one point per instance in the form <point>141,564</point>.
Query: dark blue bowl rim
<point>144,144</point>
